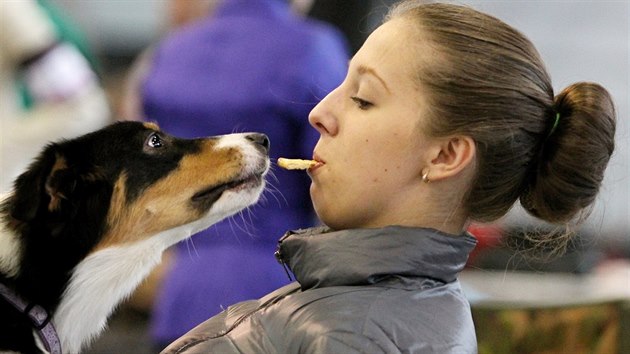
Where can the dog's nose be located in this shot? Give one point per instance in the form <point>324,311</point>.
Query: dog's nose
<point>261,141</point>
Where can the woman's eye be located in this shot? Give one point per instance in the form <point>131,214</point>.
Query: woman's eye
<point>154,141</point>
<point>361,103</point>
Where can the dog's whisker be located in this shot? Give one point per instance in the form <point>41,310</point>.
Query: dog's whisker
<point>231,223</point>
<point>274,192</point>
<point>190,244</point>
<point>250,217</point>
<point>244,228</point>
<point>272,174</point>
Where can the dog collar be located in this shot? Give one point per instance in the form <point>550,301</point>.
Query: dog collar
<point>39,317</point>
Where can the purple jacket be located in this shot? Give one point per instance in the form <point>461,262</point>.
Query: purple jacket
<point>251,66</point>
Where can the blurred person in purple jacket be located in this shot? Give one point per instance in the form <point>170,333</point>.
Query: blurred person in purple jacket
<point>249,65</point>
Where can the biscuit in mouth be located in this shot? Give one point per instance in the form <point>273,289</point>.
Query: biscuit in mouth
<point>296,164</point>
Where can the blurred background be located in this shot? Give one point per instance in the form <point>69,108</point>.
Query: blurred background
<point>578,40</point>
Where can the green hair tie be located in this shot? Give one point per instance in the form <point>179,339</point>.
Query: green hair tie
<point>555,124</point>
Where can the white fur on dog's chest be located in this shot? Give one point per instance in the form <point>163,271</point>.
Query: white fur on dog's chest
<point>105,278</point>
<point>97,285</point>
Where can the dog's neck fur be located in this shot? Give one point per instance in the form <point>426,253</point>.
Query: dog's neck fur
<point>98,284</point>
<point>100,281</point>
<point>105,278</point>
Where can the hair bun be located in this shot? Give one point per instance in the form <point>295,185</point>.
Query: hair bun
<point>574,155</point>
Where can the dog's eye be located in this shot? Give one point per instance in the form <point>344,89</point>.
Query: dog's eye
<point>154,141</point>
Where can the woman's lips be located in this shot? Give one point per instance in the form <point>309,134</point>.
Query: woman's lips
<point>319,163</point>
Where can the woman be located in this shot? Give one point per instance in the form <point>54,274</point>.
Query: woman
<point>447,115</point>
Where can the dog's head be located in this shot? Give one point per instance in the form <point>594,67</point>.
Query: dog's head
<point>130,181</point>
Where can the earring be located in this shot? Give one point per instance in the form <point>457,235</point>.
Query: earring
<point>425,177</point>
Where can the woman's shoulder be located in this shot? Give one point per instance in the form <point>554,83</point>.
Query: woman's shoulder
<point>373,318</point>
<point>340,318</point>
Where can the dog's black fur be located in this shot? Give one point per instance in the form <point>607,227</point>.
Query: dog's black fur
<point>60,207</point>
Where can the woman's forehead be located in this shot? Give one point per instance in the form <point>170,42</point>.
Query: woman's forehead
<point>385,41</point>
<point>390,51</point>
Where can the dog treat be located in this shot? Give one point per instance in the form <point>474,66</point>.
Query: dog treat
<point>296,164</point>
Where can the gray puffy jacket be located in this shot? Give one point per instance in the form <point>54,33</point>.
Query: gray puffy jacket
<point>389,290</point>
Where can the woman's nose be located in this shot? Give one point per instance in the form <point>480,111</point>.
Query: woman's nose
<point>322,116</point>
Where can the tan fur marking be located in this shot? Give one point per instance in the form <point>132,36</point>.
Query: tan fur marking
<point>56,196</point>
<point>167,203</point>
<point>152,125</point>
<point>96,175</point>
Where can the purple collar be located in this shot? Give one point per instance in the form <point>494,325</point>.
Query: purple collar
<point>40,318</point>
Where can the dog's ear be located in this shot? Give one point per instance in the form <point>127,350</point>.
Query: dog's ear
<point>45,185</point>
<point>60,183</point>
<point>28,188</point>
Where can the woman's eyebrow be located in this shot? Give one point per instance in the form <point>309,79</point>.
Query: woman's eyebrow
<point>362,69</point>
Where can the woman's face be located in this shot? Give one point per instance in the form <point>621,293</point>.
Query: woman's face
<point>371,144</point>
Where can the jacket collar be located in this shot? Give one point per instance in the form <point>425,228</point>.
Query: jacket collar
<point>320,257</point>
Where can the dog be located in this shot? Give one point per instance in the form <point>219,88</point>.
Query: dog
<point>91,216</point>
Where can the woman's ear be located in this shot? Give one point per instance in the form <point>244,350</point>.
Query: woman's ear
<point>450,157</point>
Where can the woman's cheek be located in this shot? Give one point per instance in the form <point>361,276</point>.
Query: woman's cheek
<point>325,202</point>
<point>316,198</point>
<point>320,209</point>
